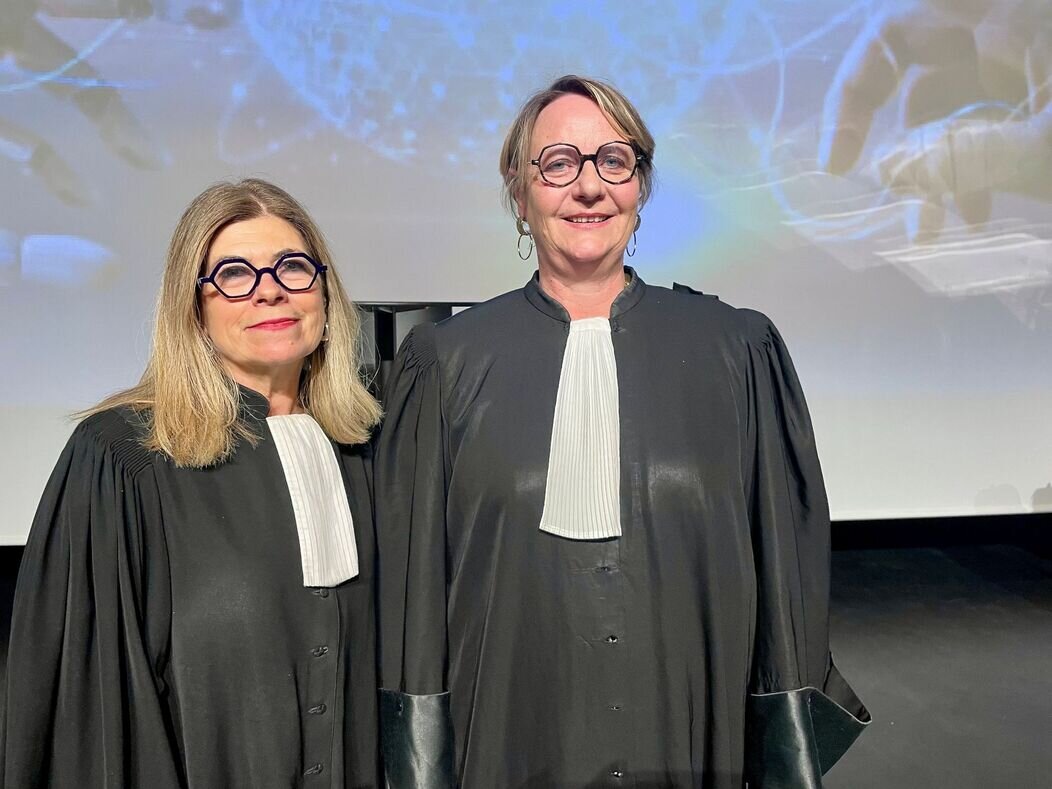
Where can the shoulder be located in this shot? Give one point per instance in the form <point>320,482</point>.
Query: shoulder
<point>489,322</point>
<point>117,433</point>
<point>93,478</point>
<point>483,317</point>
<point>701,312</point>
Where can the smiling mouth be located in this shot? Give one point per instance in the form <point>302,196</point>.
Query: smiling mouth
<point>586,220</point>
<point>277,323</point>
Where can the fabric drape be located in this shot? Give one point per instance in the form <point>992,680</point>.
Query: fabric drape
<point>162,637</point>
<point>673,655</point>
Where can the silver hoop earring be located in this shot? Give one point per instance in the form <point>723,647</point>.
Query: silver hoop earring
<point>524,233</point>
<point>632,251</point>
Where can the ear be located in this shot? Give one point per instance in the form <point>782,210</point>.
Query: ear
<point>516,193</point>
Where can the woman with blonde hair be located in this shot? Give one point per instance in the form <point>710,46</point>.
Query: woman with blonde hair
<point>195,606</point>
<point>603,532</point>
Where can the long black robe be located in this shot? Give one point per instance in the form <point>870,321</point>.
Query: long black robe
<point>162,636</point>
<point>638,661</point>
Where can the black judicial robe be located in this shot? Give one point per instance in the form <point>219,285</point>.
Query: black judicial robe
<point>162,636</point>
<point>690,652</point>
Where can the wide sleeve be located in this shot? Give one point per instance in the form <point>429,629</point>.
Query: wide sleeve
<point>801,714</point>
<point>410,478</point>
<point>83,697</point>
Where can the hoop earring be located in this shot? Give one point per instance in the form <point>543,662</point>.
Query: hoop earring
<point>524,232</point>
<point>632,251</point>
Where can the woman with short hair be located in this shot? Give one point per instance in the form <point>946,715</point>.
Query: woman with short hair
<point>195,606</point>
<point>604,538</point>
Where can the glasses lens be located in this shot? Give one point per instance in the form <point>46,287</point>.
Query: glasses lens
<point>234,279</point>
<point>616,161</point>
<point>296,272</point>
<point>560,164</point>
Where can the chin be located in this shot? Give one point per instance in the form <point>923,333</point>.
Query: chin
<point>283,357</point>
<point>589,257</point>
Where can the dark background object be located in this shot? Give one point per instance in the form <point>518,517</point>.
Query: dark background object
<point>387,324</point>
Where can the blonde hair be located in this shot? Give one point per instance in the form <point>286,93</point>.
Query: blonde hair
<point>189,402</point>
<point>619,111</point>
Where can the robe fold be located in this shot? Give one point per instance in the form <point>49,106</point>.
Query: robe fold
<point>674,655</point>
<point>163,637</point>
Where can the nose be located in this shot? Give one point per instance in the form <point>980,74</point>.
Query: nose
<point>268,291</point>
<point>589,186</point>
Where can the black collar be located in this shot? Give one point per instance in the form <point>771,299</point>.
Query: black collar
<point>252,406</point>
<point>626,299</point>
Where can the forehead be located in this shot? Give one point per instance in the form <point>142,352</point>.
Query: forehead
<point>260,237</point>
<point>573,119</point>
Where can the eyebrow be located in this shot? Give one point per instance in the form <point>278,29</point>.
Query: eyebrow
<point>277,255</point>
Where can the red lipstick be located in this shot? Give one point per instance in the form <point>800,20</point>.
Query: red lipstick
<point>275,324</point>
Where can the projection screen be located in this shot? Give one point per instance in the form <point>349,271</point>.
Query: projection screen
<point>875,176</point>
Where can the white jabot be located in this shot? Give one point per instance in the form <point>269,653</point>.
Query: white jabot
<point>582,499</point>
<point>319,500</point>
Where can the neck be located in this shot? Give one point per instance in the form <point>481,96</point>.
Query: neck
<point>584,295</point>
<point>280,387</point>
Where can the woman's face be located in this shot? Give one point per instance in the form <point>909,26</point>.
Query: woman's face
<point>586,225</point>
<point>270,332</point>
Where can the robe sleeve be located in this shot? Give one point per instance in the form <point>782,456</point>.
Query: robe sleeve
<point>801,714</point>
<point>89,633</point>
<point>410,478</point>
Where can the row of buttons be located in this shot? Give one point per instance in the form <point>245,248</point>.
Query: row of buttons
<point>611,639</point>
<point>606,568</point>
<point>317,709</point>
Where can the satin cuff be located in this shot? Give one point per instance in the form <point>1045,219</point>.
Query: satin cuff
<point>416,734</point>
<point>795,737</point>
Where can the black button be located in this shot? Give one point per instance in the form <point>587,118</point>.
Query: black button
<point>617,774</point>
<point>317,709</point>
<point>319,651</point>
<point>321,592</point>
<point>611,639</point>
<point>314,769</point>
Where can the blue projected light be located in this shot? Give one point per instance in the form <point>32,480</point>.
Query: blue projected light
<point>434,85</point>
<point>437,83</point>
<point>871,173</point>
<point>433,80</point>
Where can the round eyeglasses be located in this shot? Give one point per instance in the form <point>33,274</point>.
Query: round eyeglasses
<point>561,163</point>
<point>236,278</point>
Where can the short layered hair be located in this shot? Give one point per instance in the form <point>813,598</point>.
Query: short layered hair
<point>619,111</point>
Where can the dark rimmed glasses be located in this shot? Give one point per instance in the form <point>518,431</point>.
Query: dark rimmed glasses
<point>561,163</point>
<point>236,278</point>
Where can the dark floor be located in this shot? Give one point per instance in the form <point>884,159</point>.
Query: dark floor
<point>951,649</point>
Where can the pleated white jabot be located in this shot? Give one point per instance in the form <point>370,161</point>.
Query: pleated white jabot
<point>582,499</point>
<point>328,550</point>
